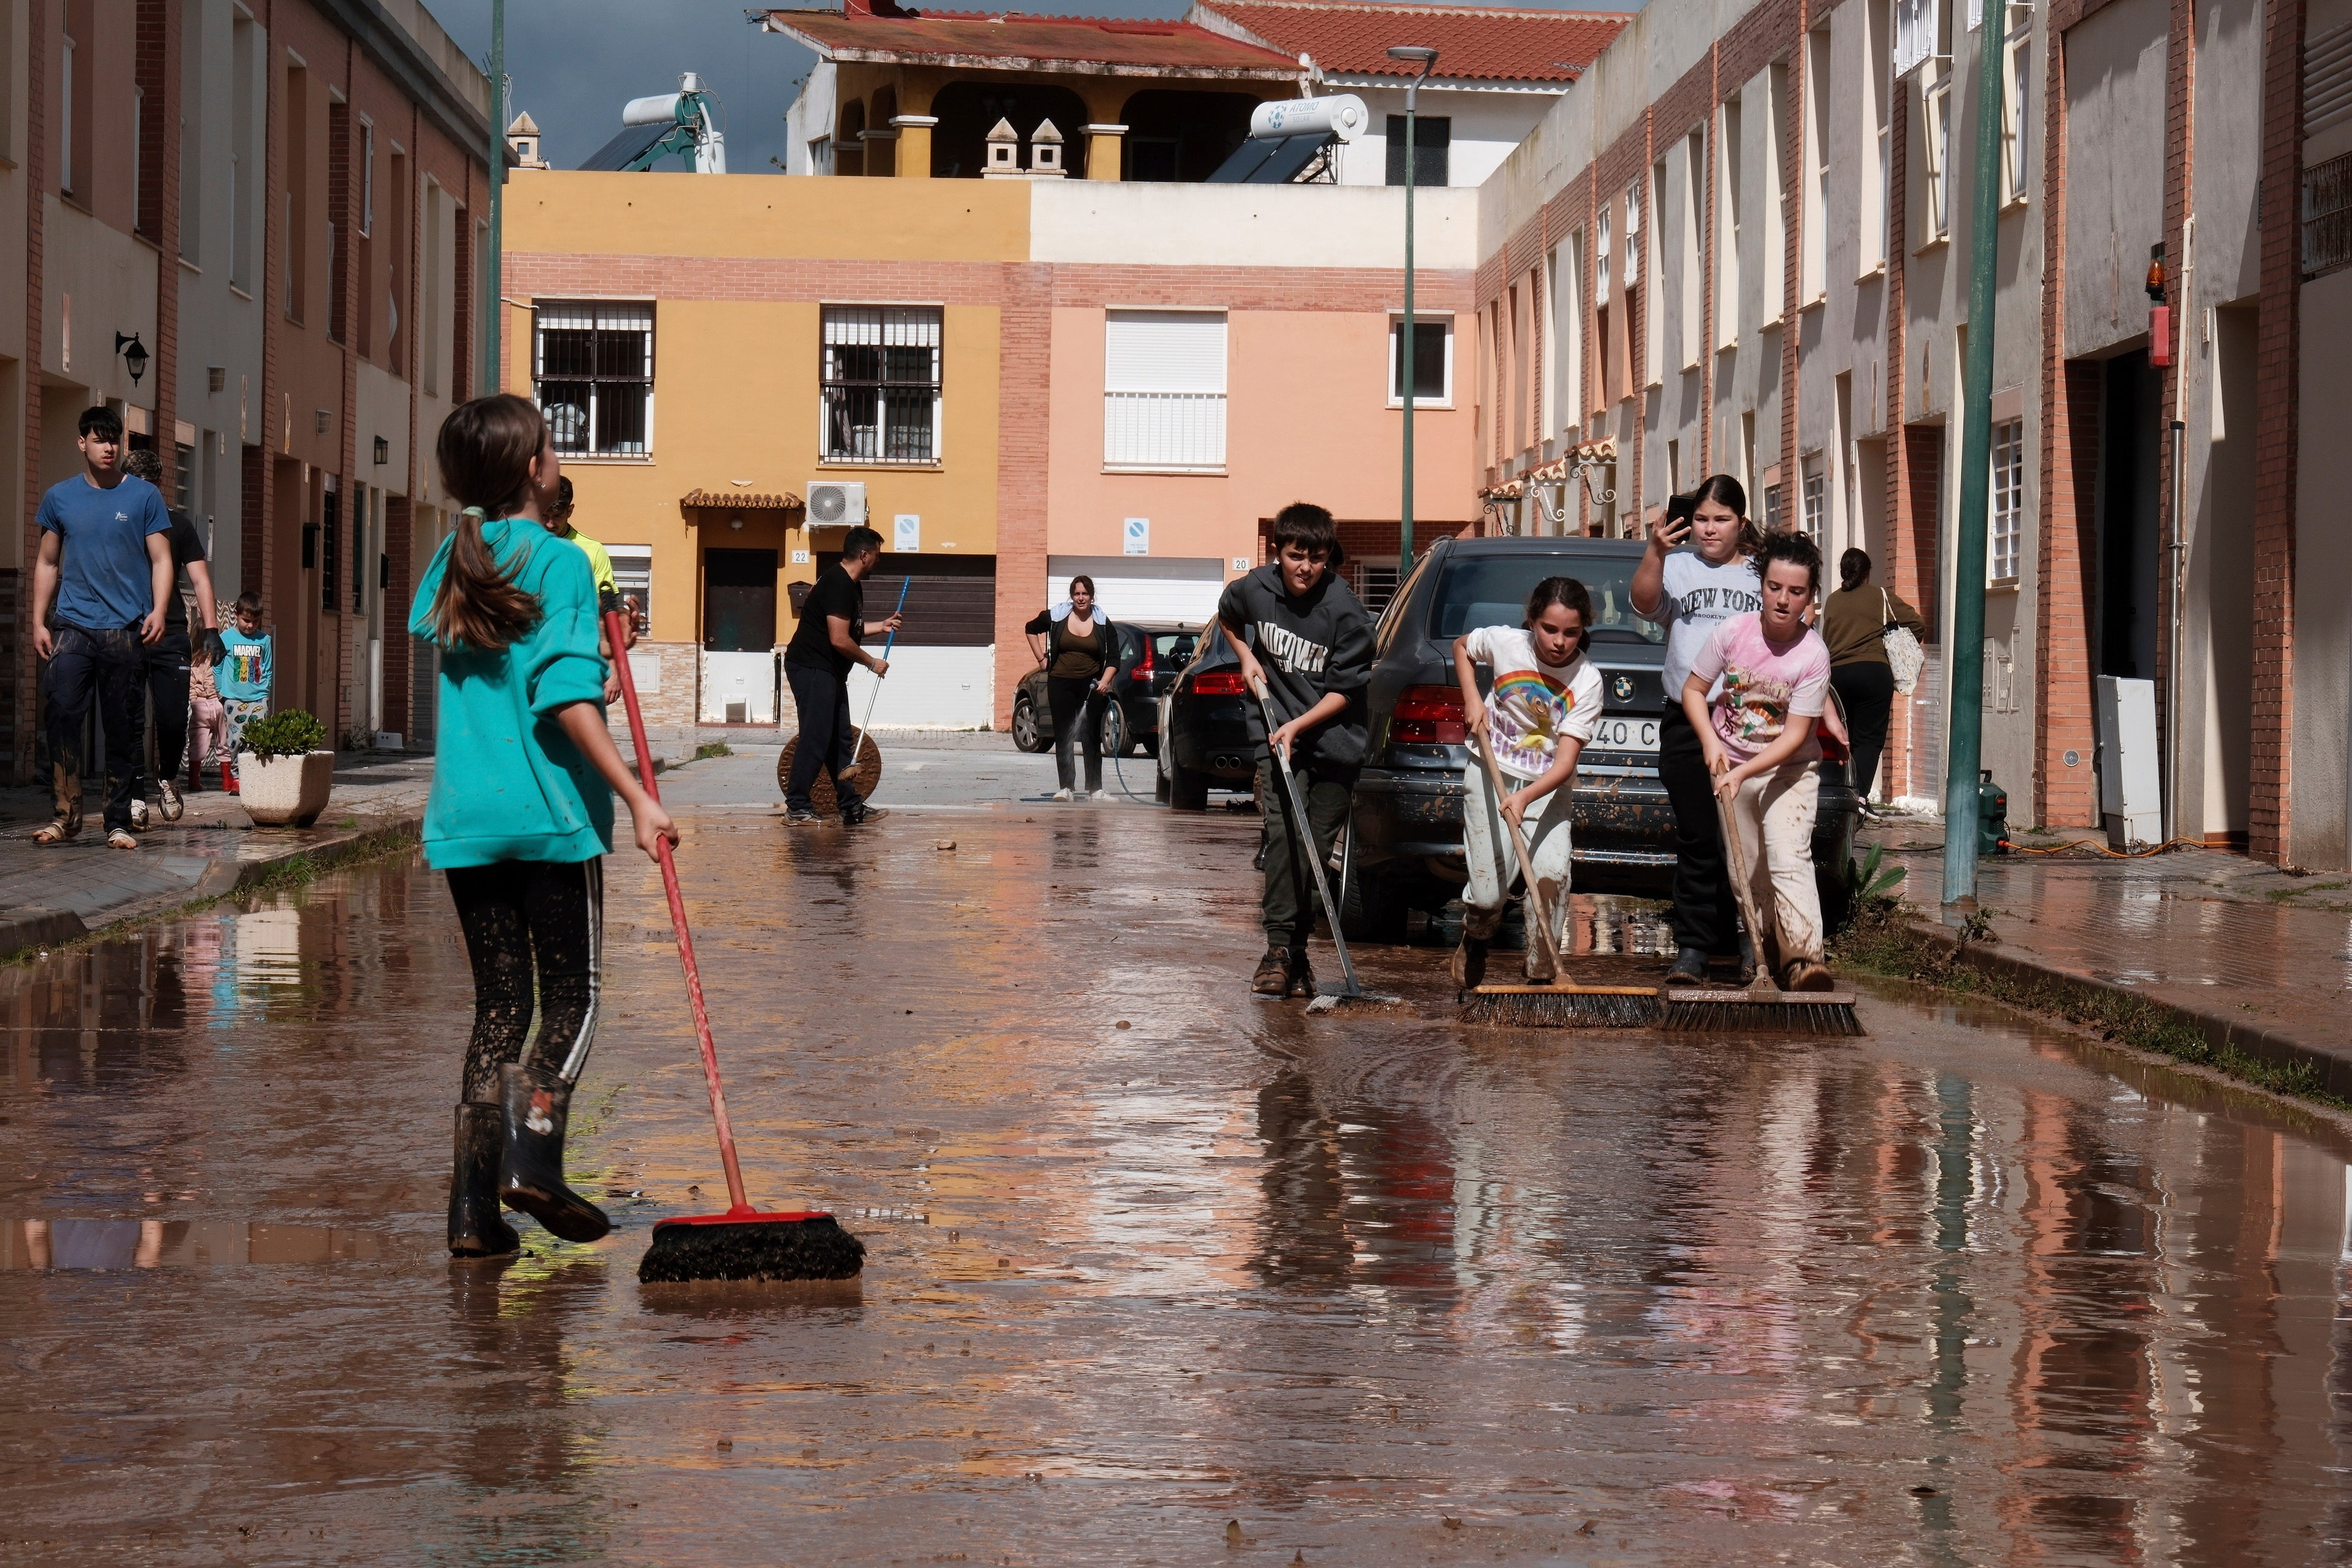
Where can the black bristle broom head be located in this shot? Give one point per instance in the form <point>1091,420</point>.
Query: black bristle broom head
<point>1563,1007</point>
<point>773,1248</point>
<point>1817,1014</point>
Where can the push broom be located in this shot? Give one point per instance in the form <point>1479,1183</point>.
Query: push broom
<point>743,1242</point>
<point>1761,1007</point>
<point>1562,1003</point>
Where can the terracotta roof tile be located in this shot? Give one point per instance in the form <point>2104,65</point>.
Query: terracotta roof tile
<point>976,38</point>
<point>1484,43</point>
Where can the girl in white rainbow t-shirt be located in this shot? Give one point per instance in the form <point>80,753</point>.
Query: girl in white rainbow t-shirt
<point>1541,711</point>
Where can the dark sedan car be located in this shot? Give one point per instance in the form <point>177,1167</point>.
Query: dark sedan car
<point>1204,729</point>
<point>1151,655</point>
<point>1404,849</point>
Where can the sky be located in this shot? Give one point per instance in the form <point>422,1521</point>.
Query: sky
<point>576,62</point>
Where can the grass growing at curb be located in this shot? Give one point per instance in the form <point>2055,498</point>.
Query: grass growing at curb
<point>713,749</point>
<point>295,871</point>
<point>1882,941</point>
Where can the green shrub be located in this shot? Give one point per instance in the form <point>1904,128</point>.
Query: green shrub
<point>713,749</point>
<point>291,733</point>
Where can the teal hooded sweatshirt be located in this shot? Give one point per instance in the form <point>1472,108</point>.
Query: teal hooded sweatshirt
<point>509,784</point>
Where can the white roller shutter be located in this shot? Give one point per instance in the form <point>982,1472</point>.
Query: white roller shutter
<point>1165,389</point>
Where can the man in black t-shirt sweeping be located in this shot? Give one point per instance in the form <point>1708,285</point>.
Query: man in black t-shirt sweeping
<point>166,673</point>
<point>1302,631</point>
<point>817,663</point>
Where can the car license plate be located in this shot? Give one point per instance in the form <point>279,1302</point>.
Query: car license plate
<point>1613,734</point>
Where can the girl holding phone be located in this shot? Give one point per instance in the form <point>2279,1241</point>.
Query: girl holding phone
<point>1697,573</point>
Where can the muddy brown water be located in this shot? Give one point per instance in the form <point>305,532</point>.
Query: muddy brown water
<point>1147,1255</point>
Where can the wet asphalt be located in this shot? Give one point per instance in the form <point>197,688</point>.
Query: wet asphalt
<point>1158,1272</point>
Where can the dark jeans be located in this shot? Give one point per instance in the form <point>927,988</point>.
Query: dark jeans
<point>1707,917</point>
<point>823,698</point>
<point>107,663</point>
<point>1289,907</point>
<point>521,916</point>
<point>1868,692</point>
<point>166,677</point>
<point>1077,716</point>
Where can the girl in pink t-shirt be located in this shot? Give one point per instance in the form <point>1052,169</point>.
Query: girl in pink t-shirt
<point>1753,695</point>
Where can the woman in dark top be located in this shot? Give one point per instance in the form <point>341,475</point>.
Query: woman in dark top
<point>1855,624</point>
<point>1080,654</point>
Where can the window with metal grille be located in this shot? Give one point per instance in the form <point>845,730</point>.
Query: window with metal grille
<point>1817,497</point>
<point>1164,390</point>
<point>2008,499</point>
<point>592,370</point>
<point>2328,216</point>
<point>881,383</point>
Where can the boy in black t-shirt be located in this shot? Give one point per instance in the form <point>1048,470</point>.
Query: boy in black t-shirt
<point>165,672</point>
<point>1303,632</point>
<point>817,663</point>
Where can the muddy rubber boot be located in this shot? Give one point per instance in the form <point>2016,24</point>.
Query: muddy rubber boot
<point>534,1106</point>
<point>1469,962</point>
<point>1272,976</point>
<point>1690,968</point>
<point>477,1228</point>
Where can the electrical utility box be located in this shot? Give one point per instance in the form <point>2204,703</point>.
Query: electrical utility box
<point>2131,790</point>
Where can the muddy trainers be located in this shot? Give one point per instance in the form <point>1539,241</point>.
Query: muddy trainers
<point>857,813</point>
<point>534,1106</point>
<point>1272,976</point>
<point>138,816</point>
<point>1806,975</point>
<point>1302,976</point>
<point>173,807</point>
<point>800,816</point>
<point>1469,962</point>
<point>476,1229</point>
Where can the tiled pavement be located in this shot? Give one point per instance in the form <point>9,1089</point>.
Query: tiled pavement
<point>208,851</point>
<point>2256,955</point>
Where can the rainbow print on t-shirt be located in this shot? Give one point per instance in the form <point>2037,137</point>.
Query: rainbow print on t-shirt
<point>1525,716</point>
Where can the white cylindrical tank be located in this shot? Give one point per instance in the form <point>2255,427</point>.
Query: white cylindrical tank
<point>1342,115</point>
<point>659,109</point>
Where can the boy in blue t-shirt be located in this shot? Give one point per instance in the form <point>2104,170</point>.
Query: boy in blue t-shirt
<point>243,677</point>
<point>104,568</point>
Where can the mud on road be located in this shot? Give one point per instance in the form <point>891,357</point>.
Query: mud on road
<point>1147,1256</point>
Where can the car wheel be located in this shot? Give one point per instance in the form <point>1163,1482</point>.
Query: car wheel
<point>1369,908</point>
<point>1024,724</point>
<point>1187,790</point>
<point>1114,741</point>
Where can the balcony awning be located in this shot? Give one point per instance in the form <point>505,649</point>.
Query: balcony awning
<point>736,501</point>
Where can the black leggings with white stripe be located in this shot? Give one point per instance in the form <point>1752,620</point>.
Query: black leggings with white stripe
<point>519,914</point>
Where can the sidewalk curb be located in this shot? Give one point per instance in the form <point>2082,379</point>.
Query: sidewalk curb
<point>27,929</point>
<point>2333,1069</point>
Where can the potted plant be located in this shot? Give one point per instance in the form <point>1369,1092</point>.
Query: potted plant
<point>283,770</point>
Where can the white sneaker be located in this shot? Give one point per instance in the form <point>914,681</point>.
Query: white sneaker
<point>1061,794</point>
<point>138,816</point>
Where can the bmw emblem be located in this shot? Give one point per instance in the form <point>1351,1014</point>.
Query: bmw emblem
<point>1623,688</point>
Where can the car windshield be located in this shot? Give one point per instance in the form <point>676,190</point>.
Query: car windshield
<point>1173,649</point>
<point>1492,591</point>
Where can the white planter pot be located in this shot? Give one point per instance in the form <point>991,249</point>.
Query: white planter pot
<point>285,790</point>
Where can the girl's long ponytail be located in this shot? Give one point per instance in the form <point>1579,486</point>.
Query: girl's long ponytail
<point>486,450</point>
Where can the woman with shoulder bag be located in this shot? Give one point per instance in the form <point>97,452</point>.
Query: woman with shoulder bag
<point>1863,627</point>
<point>1079,649</point>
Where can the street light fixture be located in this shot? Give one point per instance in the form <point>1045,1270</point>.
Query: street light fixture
<point>134,356</point>
<point>1425,57</point>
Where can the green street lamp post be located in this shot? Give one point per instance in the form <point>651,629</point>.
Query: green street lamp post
<point>1427,58</point>
<point>1966,698</point>
<point>493,313</point>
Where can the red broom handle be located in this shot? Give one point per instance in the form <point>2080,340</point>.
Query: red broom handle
<point>615,632</point>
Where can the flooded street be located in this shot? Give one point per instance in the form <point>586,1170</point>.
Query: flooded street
<point>1147,1255</point>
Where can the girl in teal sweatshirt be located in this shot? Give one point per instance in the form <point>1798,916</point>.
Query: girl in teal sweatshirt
<point>520,816</point>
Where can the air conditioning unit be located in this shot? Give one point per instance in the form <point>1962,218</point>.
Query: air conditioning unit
<point>837,503</point>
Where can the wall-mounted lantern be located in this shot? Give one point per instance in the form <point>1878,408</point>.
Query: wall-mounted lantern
<point>134,356</point>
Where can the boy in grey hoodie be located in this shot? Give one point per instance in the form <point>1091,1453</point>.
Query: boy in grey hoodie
<point>1303,632</point>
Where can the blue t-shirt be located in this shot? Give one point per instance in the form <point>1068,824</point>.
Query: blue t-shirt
<point>243,675</point>
<point>104,580</point>
<point>510,784</point>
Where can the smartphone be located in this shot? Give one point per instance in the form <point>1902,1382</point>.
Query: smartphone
<point>1680,509</point>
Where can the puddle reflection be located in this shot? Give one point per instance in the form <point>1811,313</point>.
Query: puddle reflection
<point>48,1244</point>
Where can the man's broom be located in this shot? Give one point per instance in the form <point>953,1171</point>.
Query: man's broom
<point>743,1242</point>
